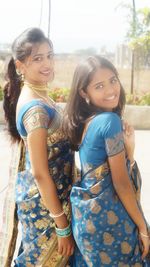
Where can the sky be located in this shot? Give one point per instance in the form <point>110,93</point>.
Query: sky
<point>74,24</point>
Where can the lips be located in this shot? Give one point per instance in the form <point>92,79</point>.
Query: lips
<point>46,72</point>
<point>110,98</point>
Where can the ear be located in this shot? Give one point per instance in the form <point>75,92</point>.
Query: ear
<point>83,94</point>
<point>19,66</point>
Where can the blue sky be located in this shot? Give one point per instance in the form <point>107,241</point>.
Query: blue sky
<point>75,24</point>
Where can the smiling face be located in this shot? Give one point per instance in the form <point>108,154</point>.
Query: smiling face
<point>38,67</point>
<point>104,90</point>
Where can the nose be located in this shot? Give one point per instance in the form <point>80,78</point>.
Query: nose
<point>110,88</point>
<point>48,62</point>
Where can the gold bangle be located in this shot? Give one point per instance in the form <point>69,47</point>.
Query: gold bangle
<point>56,215</point>
<point>147,236</point>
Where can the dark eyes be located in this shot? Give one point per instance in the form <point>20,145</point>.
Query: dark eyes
<point>40,58</point>
<point>99,86</point>
<point>37,58</point>
<point>50,56</point>
<point>114,80</point>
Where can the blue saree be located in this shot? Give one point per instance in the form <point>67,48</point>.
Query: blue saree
<point>104,232</point>
<point>39,241</point>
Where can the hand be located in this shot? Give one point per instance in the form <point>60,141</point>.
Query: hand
<point>129,139</point>
<point>145,243</point>
<point>66,245</point>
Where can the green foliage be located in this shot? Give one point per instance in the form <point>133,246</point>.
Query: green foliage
<point>139,33</point>
<point>59,94</point>
<point>1,93</point>
<point>141,100</point>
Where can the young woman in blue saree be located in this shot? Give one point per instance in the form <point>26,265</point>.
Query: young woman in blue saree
<point>107,221</point>
<point>44,171</point>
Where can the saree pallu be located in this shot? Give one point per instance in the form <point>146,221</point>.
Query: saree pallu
<point>104,232</point>
<point>9,230</point>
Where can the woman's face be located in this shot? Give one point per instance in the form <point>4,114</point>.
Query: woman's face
<point>104,89</point>
<point>38,67</point>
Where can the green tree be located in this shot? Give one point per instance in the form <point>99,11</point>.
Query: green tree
<point>139,39</point>
<point>138,36</point>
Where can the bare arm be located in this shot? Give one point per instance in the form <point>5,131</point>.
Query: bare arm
<point>129,139</point>
<point>37,146</point>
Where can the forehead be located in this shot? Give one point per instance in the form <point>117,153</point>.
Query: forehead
<point>102,74</point>
<point>41,48</point>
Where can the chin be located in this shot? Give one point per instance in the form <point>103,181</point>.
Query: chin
<point>44,81</point>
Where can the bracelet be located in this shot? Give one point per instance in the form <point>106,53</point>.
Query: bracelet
<point>65,235</point>
<point>63,232</point>
<point>147,236</point>
<point>132,163</point>
<point>56,215</point>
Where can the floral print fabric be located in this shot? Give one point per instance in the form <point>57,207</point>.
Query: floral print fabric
<point>104,232</point>
<point>39,240</point>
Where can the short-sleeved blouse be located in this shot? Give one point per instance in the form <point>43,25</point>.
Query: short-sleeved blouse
<point>104,138</point>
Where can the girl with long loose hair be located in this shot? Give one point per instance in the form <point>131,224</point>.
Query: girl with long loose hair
<point>108,224</point>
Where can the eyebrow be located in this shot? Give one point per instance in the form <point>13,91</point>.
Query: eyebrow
<point>40,55</point>
<point>114,76</point>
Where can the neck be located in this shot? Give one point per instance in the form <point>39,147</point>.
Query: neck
<point>37,87</point>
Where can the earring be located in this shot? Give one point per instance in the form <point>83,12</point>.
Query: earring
<point>18,72</point>
<point>87,100</point>
<point>22,77</point>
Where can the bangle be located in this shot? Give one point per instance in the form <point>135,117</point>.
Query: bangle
<point>132,163</point>
<point>63,232</point>
<point>144,235</point>
<point>56,215</point>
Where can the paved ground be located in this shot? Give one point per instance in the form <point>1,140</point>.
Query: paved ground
<point>142,155</point>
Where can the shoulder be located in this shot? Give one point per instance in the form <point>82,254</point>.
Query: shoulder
<point>34,114</point>
<point>32,107</point>
<point>107,117</point>
<point>107,124</point>
<point>107,120</point>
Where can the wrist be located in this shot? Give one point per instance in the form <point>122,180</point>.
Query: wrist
<point>65,232</point>
<point>132,163</point>
<point>61,222</point>
<point>143,229</point>
<point>131,158</point>
<point>144,234</point>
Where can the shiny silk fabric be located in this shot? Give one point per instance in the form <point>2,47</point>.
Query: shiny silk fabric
<point>39,241</point>
<point>104,232</point>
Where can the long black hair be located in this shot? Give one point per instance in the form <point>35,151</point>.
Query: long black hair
<point>77,111</point>
<point>21,49</point>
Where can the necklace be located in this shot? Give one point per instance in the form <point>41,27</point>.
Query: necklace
<point>37,87</point>
<point>48,100</point>
<point>41,88</point>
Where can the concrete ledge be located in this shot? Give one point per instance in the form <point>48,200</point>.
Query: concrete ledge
<point>137,116</point>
